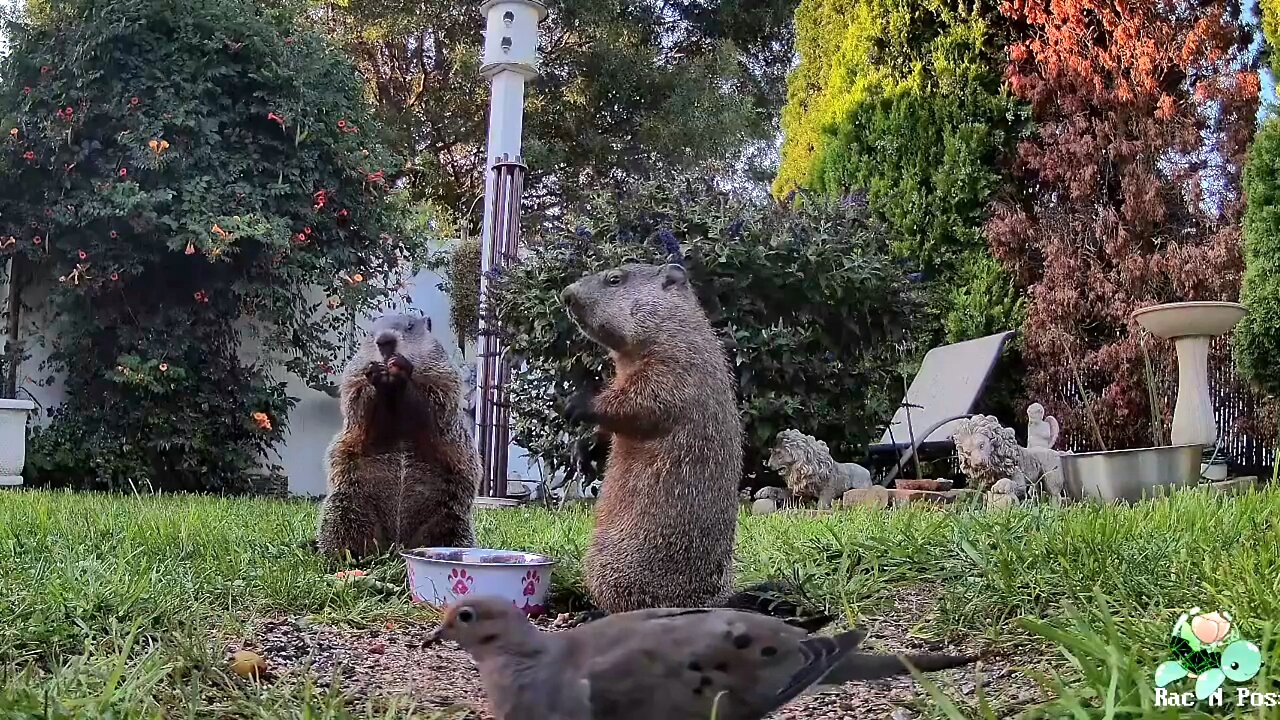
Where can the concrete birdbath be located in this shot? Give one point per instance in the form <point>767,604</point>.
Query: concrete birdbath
<point>1191,326</point>
<point>13,439</point>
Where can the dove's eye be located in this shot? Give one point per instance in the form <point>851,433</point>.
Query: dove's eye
<point>466,615</point>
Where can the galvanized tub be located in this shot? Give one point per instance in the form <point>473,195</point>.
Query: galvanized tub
<point>1130,475</point>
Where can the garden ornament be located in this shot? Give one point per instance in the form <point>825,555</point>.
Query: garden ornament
<point>992,460</point>
<point>1042,432</point>
<point>810,472</point>
<point>675,664</point>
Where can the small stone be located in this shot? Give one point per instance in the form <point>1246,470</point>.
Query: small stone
<point>902,714</point>
<point>1000,500</point>
<point>871,497</point>
<point>378,648</point>
<point>940,485</point>
<point>763,506</point>
<point>902,497</point>
<point>246,663</point>
<point>1235,486</point>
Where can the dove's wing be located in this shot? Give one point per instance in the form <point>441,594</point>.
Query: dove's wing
<point>682,664</point>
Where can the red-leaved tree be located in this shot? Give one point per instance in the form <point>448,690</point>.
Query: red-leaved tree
<point>1127,194</point>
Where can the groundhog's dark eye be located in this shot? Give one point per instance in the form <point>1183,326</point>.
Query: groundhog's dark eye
<point>615,278</point>
<point>411,326</point>
<point>466,615</point>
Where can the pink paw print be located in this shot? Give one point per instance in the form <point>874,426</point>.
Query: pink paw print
<point>462,581</point>
<point>530,581</point>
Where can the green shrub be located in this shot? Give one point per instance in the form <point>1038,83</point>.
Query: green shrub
<point>1257,337</point>
<point>461,266</point>
<point>805,298</point>
<point>185,173</point>
<point>903,99</point>
<point>984,300</point>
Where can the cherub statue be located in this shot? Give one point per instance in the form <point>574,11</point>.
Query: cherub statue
<point>810,472</point>
<point>993,461</point>
<point>1042,432</point>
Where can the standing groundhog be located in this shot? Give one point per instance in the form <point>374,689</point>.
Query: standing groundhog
<point>668,506</point>
<point>403,470</point>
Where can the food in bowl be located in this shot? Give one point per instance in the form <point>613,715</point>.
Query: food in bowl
<point>440,575</point>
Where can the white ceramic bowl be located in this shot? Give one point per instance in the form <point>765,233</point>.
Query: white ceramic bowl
<point>440,575</point>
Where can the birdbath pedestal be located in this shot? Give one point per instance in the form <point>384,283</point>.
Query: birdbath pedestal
<point>1191,326</point>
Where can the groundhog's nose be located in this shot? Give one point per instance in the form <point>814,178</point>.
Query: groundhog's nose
<point>569,295</point>
<point>386,343</point>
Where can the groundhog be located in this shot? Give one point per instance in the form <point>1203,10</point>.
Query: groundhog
<point>403,470</point>
<point>668,506</point>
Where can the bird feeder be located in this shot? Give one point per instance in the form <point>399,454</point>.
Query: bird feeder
<point>511,36</point>
<point>510,59</point>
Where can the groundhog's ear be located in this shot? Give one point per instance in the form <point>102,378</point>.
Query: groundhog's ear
<point>673,275</point>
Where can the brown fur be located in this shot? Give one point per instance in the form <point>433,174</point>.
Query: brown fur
<point>668,506</point>
<point>403,470</point>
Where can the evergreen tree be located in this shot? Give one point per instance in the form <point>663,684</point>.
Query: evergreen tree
<point>903,99</point>
<point>626,91</point>
<point>1257,337</point>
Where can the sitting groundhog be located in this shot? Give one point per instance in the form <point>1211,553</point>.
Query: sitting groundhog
<point>668,505</point>
<point>403,470</point>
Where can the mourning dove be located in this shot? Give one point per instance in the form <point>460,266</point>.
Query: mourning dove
<point>672,663</point>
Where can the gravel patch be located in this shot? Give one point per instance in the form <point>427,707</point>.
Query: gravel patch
<point>1004,685</point>
<point>390,661</point>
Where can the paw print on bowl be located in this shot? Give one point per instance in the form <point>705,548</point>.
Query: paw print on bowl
<point>462,581</point>
<point>414,597</point>
<point>530,582</point>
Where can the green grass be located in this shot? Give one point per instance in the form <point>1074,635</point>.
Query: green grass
<point>116,606</point>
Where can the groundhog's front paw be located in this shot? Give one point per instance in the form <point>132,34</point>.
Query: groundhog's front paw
<point>377,374</point>
<point>578,407</point>
<point>399,367</point>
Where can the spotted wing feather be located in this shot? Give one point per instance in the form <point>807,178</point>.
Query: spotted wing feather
<point>679,664</point>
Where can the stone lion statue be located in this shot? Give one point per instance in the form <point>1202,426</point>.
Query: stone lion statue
<point>993,461</point>
<point>806,465</point>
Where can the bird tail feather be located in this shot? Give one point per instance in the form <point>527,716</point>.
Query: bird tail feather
<point>770,598</point>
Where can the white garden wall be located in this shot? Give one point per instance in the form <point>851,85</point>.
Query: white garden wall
<point>314,420</point>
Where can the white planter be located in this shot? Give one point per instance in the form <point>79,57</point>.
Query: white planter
<point>13,439</point>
